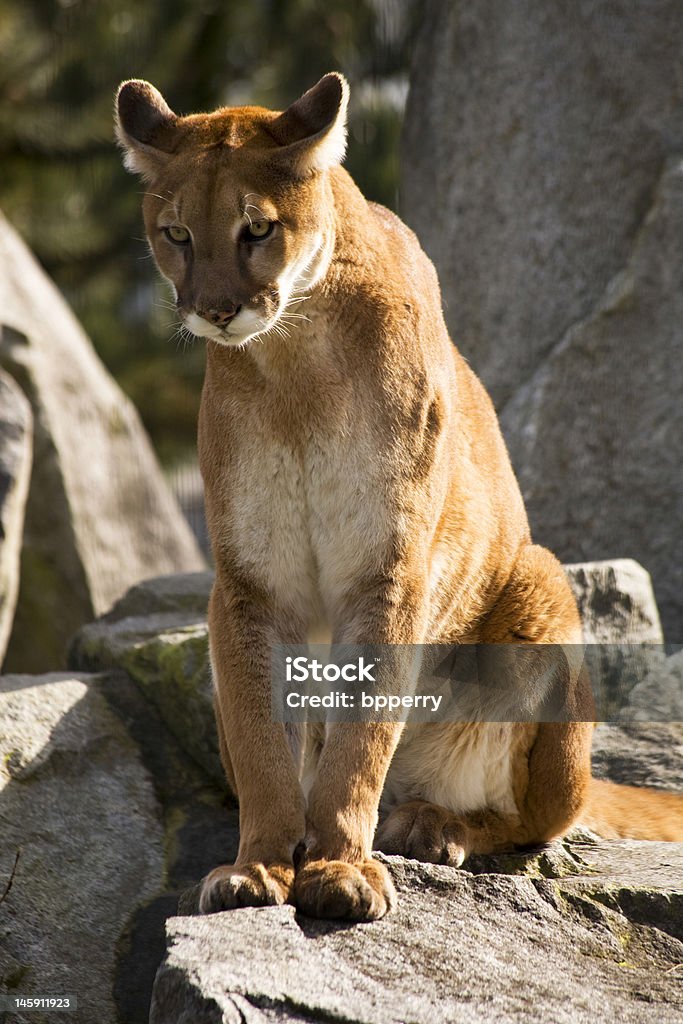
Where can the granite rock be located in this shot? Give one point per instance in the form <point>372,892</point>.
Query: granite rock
<point>81,843</point>
<point>542,172</point>
<point>157,633</point>
<point>602,942</point>
<point>16,443</point>
<point>99,515</point>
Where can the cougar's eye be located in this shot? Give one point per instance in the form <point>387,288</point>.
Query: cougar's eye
<point>259,229</point>
<point>178,234</point>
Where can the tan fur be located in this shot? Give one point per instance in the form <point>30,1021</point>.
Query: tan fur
<point>355,473</point>
<point>630,812</point>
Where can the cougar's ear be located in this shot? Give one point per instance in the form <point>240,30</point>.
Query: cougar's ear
<point>311,134</point>
<point>145,127</point>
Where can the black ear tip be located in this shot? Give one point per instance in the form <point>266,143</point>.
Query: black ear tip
<point>124,100</point>
<point>141,109</point>
<point>128,89</point>
<point>132,93</point>
<point>335,86</point>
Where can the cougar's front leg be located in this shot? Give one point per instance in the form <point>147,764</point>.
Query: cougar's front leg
<point>337,877</point>
<point>271,803</point>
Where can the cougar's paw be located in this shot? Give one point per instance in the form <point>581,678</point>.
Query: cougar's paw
<point>245,885</point>
<point>424,832</point>
<point>352,892</point>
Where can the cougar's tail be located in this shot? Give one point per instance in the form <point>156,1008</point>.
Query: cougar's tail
<point>632,812</point>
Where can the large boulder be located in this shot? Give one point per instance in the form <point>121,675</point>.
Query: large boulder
<point>542,171</point>
<point>99,515</point>
<point>104,822</point>
<point>81,843</point>
<point>527,939</point>
<point>16,442</point>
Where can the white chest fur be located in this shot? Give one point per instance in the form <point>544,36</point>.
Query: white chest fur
<point>309,523</point>
<point>270,524</point>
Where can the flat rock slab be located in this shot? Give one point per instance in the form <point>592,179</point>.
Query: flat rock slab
<point>157,633</point>
<point>462,947</point>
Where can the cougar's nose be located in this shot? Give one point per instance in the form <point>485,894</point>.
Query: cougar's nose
<point>220,317</point>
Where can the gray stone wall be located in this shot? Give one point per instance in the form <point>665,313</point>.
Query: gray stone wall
<point>542,171</point>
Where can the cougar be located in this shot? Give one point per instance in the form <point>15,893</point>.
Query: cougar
<point>354,473</point>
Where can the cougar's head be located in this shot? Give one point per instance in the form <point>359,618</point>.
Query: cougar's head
<point>238,208</point>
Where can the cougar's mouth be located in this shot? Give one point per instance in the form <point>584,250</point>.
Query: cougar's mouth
<point>247,324</point>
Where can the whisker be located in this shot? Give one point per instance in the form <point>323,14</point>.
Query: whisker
<point>155,195</point>
<point>279,329</point>
<point>182,336</point>
<point>289,326</point>
<point>246,206</point>
<point>187,338</point>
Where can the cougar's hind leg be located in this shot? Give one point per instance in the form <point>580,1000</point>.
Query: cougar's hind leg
<point>551,780</point>
<point>429,832</point>
<point>536,605</point>
<point>549,761</point>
